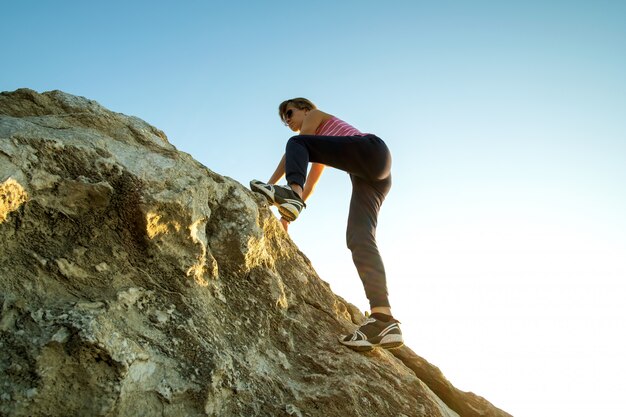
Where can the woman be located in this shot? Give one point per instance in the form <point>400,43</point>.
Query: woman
<point>325,140</point>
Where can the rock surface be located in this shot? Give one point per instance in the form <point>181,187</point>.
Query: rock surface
<point>136,282</point>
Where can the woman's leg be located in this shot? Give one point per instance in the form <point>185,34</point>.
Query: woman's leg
<point>368,161</point>
<point>365,204</point>
<point>364,156</point>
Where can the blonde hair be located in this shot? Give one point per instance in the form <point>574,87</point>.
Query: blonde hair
<point>299,102</point>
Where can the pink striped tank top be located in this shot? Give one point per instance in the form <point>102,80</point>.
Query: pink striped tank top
<point>337,127</point>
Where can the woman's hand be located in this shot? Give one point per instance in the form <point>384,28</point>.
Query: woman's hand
<point>285,223</point>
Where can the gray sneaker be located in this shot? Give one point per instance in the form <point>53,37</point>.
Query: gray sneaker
<point>288,202</point>
<point>374,333</point>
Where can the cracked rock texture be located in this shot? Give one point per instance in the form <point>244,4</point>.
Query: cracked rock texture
<point>136,282</point>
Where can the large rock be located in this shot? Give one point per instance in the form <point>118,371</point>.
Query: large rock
<point>136,282</point>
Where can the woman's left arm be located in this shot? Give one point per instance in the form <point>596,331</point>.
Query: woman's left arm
<point>311,180</point>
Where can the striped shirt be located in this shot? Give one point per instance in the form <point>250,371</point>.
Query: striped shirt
<point>337,127</point>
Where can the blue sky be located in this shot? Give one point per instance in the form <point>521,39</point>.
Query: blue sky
<point>504,235</point>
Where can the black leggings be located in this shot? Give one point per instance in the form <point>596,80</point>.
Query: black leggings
<point>368,161</point>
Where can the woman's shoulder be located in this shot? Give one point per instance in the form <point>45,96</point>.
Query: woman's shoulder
<point>320,115</point>
<point>313,120</point>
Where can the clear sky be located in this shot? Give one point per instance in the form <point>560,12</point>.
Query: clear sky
<point>504,235</point>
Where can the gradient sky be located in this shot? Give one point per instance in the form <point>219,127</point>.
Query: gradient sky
<point>504,235</point>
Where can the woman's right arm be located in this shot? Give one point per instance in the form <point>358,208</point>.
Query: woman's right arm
<point>279,173</point>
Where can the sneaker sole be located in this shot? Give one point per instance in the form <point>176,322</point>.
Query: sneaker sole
<point>288,211</point>
<point>392,341</point>
<point>358,345</point>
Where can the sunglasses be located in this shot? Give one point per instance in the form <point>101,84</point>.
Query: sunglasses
<point>288,114</point>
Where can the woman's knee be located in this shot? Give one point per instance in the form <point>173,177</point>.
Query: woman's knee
<point>295,140</point>
<point>361,242</point>
<point>294,144</point>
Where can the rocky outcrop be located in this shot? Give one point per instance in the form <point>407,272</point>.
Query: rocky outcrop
<point>136,282</point>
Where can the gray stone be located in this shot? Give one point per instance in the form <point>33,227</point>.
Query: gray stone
<point>171,290</point>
